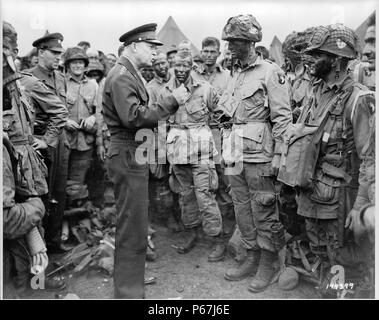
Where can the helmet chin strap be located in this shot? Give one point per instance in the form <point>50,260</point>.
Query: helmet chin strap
<point>337,67</point>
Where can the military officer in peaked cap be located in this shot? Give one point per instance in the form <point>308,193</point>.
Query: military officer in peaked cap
<point>50,50</point>
<point>126,110</point>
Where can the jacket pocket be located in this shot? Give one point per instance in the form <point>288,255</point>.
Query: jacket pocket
<point>253,137</point>
<point>196,110</point>
<point>252,96</point>
<point>326,189</point>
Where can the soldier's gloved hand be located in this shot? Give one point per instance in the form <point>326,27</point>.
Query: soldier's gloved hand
<point>181,94</point>
<point>100,151</point>
<point>39,144</point>
<point>275,163</point>
<point>71,125</point>
<point>89,123</point>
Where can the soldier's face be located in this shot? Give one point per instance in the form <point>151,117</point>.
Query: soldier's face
<point>76,67</point>
<point>321,65</point>
<point>147,74</point>
<point>171,59</point>
<point>210,55</point>
<point>239,49</point>
<point>145,53</point>
<point>50,59</point>
<point>182,68</point>
<point>160,66</point>
<point>111,60</point>
<point>369,48</point>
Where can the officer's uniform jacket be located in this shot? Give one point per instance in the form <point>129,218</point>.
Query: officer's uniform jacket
<point>257,100</point>
<point>126,102</point>
<point>341,149</point>
<point>54,80</point>
<point>50,112</point>
<point>190,138</point>
<point>81,97</point>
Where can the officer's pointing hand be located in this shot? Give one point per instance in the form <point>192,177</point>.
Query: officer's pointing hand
<point>181,94</point>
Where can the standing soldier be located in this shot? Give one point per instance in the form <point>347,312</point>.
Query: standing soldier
<point>191,150</point>
<point>160,172</point>
<point>81,127</point>
<point>339,109</point>
<point>50,51</point>
<point>257,101</point>
<point>126,109</point>
<point>217,77</point>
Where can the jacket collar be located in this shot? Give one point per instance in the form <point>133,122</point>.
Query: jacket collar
<point>253,60</point>
<point>70,77</point>
<point>201,68</point>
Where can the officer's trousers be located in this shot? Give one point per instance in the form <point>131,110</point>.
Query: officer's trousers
<point>130,180</point>
<point>254,193</point>
<point>198,183</point>
<point>58,170</point>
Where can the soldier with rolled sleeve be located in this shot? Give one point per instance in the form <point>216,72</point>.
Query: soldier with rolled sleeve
<point>257,101</point>
<point>126,110</point>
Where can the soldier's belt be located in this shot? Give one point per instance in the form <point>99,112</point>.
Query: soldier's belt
<point>23,141</point>
<point>188,125</point>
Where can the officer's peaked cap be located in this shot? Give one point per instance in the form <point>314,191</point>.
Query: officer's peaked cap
<point>51,41</point>
<point>143,33</point>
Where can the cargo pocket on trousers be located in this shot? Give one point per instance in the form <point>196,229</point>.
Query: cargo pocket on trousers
<point>265,199</point>
<point>213,180</point>
<point>112,152</point>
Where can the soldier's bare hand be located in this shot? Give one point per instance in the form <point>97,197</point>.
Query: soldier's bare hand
<point>89,123</point>
<point>101,153</point>
<point>71,125</point>
<point>181,94</point>
<point>39,144</point>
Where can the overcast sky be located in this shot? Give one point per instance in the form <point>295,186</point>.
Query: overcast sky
<point>102,22</point>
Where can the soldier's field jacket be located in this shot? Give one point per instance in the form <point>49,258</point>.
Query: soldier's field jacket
<point>190,138</point>
<point>341,148</point>
<point>82,98</point>
<point>257,100</point>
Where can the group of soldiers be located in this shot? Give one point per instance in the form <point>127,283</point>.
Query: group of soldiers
<point>230,141</point>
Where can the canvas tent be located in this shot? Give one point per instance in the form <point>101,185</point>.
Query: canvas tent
<point>276,51</point>
<point>170,34</point>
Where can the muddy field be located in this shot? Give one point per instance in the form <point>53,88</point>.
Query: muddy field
<point>178,276</point>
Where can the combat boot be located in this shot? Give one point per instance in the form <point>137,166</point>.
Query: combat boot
<point>172,224</point>
<point>190,243</point>
<point>218,252</point>
<point>244,269</point>
<point>265,271</point>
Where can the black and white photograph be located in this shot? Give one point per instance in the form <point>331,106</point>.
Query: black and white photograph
<point>188,150</point>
